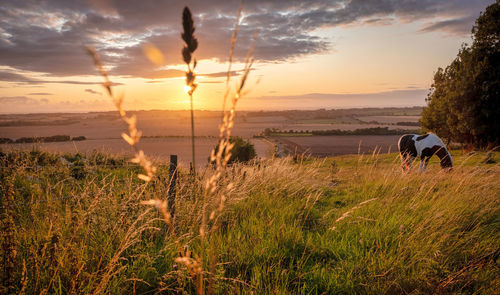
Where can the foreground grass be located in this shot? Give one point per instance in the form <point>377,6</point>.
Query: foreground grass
<point>350,224</point>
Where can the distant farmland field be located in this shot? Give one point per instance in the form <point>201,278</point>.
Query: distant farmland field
<point>101,128</point>
<point>107,125</point>
<point>344,144</point>
<point>167,132</point>
<point>159,149</point>
<point>351,127</point>
<point>389,119</point>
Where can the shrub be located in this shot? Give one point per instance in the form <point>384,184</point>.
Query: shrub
<point>54,138</point>
<point>5,140</point>
<point>78,138</point>
<point>243,151</point>
<point>408,124</point>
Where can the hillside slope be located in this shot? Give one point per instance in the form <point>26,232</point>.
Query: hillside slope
<point>350,224</point>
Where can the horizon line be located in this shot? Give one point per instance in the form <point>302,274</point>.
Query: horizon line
<point>207,110</point>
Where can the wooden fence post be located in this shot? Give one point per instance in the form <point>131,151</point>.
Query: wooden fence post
<point>172,176</point>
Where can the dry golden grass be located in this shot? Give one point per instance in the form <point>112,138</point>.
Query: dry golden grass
<point>134,135</point>
<point>211,194</point>
<point>275,226</point>
<point>359,226</point>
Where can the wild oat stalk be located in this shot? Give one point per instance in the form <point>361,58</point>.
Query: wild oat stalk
<point>187,52</point>
<point>134,135</point>
<point>222,156</point>
<point>194,266</point>
<point>231,54</point>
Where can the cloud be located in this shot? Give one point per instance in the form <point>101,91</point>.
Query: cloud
<point>40,93</point>
<point>173,73</point>
<point>162,74</point>
<point>18,100</point>
<point>220,74</point>
<point>92,91</point>
<point>49,36</point>
<point>78,82</point>
<point>13,77</point>
<point>25,105</point>
<point>211,82</point>
<point>8,76</point>
<point>457,26</point>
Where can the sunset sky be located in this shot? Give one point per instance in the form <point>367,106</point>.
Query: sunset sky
<point>309,54</point>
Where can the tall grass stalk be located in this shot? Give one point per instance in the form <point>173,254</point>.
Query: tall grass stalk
<point>210,194</point>
<point>134,135</point>
<point>214,200</point>
<point>214,196</point>
<point>187,52</point>
<point>234,37</point>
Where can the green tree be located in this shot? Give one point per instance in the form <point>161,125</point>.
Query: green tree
<point>242,151</point>
<point>464,100</point>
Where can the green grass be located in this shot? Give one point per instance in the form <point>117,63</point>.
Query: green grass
<point>278,232</point>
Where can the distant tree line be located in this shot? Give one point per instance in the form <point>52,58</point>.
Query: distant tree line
<point>337,113</point>
<point>54,138</point>
<point>464,101</point>
<point>364,131</point>
<point>361,131</point>
<point>38,123</point>
<point>5,140</point>
<point>408,124</point>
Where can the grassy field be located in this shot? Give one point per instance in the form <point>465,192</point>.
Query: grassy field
<point>74,224</point>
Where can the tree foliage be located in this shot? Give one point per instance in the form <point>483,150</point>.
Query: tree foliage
<point>242,151</point>
<point>464,100</point>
